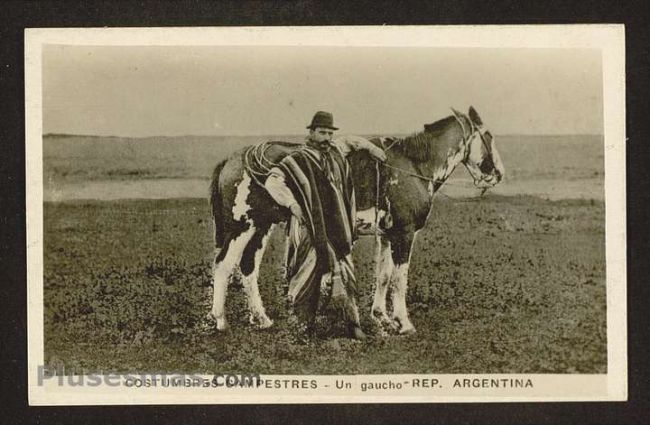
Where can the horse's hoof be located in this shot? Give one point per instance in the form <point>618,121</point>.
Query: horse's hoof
<point>266,325</point>
<point>222,324</point>
<point>395,325</point>
<point>403,326</point>
<point>407,330</point>
<point>218,322</point>
<point>262,323</point>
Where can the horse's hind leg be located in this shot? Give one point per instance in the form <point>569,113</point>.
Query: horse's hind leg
<point>224,267</point>
<point>383,271</point>
<point>250,267</point>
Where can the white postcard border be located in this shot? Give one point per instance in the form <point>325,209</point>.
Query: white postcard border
<point>609,39</point>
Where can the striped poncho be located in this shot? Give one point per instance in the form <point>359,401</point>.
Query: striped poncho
<point>321,183</point>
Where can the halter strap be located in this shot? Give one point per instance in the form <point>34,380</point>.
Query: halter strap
<point>472,130</point>
<point>459,117</point>
<point>467,135</point>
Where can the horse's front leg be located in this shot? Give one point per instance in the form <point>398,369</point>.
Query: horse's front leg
<point>384,268</point>
<point>250,267</point>
<point>401,253</point>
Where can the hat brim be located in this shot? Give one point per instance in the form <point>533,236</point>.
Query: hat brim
<point>311,127</point>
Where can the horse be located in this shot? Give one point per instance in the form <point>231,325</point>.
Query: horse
<point>394,198</point>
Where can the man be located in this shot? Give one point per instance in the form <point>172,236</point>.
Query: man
<point>315,184</point>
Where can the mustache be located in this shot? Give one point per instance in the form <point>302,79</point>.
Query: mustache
<point>322,145</point>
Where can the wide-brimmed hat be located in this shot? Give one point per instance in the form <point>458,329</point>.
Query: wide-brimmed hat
<point>322,119</point>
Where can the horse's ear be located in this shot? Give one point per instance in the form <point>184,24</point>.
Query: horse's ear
<point>473,115</point>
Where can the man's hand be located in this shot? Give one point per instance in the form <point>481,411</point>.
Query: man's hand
<point>351,143</point>
<point>297,212</point>
<point>376,153</point>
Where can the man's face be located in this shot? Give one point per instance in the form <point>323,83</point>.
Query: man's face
<point>321,137</point>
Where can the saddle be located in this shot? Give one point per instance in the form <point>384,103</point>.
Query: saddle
<point>261,158</point>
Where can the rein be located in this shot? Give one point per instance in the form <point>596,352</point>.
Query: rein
<point>409,173</point>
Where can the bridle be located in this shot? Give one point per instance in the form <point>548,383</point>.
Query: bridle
<point>468,135</point>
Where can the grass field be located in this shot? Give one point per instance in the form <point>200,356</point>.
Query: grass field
<point>500,285</point>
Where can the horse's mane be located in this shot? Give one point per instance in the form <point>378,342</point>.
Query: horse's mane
<point>420,146</point>
<point>439,126</point>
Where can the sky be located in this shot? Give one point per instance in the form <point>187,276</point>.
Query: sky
<point>141,91</point>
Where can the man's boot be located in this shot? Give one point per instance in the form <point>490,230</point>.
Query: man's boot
<point>355,332</point>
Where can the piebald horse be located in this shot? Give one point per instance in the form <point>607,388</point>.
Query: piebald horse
<point>396,197</point>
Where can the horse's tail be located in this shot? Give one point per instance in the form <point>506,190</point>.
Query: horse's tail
<point>216,203</point>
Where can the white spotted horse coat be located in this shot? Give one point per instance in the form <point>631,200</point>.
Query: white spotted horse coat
<point>244,216</point>
<point>417,166</point>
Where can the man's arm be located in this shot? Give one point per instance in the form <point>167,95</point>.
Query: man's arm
<point>280,192</point>
<point>347,144</point>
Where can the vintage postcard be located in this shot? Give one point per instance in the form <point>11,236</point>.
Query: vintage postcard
<point>326,214</point>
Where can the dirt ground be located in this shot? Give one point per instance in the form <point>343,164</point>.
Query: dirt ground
<point>498,285</point>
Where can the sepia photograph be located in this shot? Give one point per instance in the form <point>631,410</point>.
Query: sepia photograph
<point>340,214</point>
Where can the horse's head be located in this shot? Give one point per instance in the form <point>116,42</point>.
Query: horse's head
<point>481,158</point>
